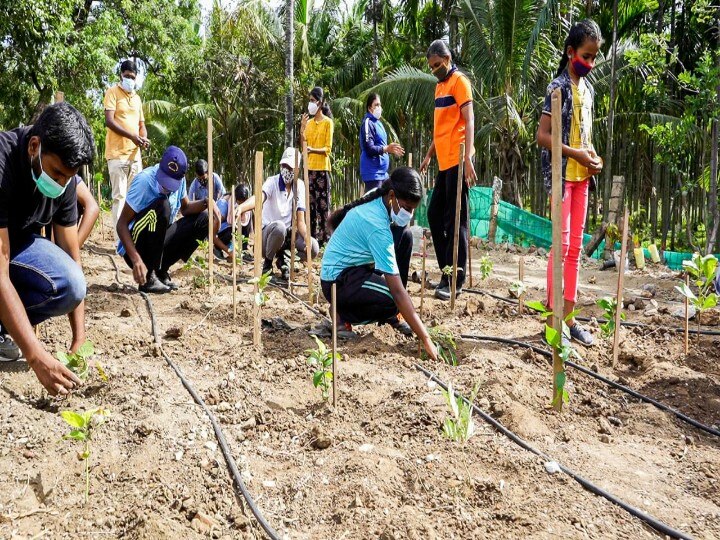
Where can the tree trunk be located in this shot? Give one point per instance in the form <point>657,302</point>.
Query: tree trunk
<point>375,45</point>
<point>289,72</point>
<point>713,206</point>
<point>492,227</point>
<point>614,211</point>
<point>611,116</point>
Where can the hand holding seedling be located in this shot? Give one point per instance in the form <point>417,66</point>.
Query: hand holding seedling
<point>56,378</point>
<point>79,362</point>
<point>430,348</point>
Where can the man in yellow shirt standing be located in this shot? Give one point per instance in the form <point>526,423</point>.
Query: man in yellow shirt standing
<point>126,135</point>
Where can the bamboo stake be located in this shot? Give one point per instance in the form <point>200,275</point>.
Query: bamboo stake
<point>619,295</point>
<point>557,272</point>
<point>422,279</point>
<point>211,202</point>
<point>521,277</point>
<point>333,298</point>
<point>59,96</point>
<point>257,192</point>
<point>308,244</point>
<point>410,160</point>
<point>234,251</point>
<point>456,240</point>
<point>687,317</point>
<point>469,248</point>
<point>293,230</point>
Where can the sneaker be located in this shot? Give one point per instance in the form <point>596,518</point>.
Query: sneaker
<point>247,257</point>
<point>346,332</point>
<point>164,278</point>
<point>581,335</point>
<point>154,286</point>
<point>267,266</point>
<point>9,351</point>
<point>403,328</point>
<point>285,273</point>
<point>218,254</point>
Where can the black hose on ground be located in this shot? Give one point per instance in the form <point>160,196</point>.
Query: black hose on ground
<point>589,372</point>
<point>224,447</point>
<point>588,319</point>
<point>644,516</point>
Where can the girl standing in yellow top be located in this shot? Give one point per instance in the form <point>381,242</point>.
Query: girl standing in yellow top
<point>317,131</point>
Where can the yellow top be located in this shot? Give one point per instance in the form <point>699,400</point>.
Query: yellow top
<point>580,131</point>
<point>129,114</point>
<point>319,135</point>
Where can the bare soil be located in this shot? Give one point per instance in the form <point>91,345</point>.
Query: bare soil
<point>378,465</point>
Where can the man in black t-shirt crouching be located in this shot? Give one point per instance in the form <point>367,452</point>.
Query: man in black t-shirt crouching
<point>40,279</point>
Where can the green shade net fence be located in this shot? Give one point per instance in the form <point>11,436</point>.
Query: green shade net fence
<point>523,228</point>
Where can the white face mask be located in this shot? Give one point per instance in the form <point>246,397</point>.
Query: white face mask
<point>312,108</point>
<point>377,112</point>
<point>402,218</point>
<point>128,84</point>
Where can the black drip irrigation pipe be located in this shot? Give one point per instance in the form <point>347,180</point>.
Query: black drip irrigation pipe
<point>587,484</point>
<point>588,319</point>
<point>229,460</point>
<point>609,382</point>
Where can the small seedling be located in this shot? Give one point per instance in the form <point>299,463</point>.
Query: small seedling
<point>199,260</point>
<point>261,296</point>
<point>609,305</point>
<point>459,427</point>
<point>240,240</point>
<point>444,342</point>
<point>79,362</point>
<point>486,267</point>
<point>702,273</point>
<point>518,288</point>
<point>447,271</point>
<point>83,427</point>
<point>321,359</point>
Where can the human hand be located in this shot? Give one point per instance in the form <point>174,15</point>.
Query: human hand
<point>395,149</point>
<point>588,158</point>
<point>139,271</point>
<point>424,165</point>
<point>430,348</point>
<point>56,378</point>
<point>469,171</point>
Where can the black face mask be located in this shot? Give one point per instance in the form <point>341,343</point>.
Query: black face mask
<point>441,72</point>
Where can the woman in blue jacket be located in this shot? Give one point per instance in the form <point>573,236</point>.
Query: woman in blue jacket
<point>374,148</point>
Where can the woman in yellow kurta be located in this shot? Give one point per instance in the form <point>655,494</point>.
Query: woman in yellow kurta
<point>317,131</point>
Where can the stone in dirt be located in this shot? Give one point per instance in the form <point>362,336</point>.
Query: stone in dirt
<point>173,332</point>
<point>125,313</point>
<point>203,523</point>
<point>650,288</point>
<point>679,313</point>
<point>321,440</point>
<point>639,303</point>
<point>710,317</point>
<point>542,252</point>
<point>473,306</point>
<point>524,422</point>
<point>604,426</point>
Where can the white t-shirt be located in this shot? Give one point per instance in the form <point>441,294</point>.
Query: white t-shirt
<point>278,203</point>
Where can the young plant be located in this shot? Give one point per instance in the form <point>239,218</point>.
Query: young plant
<point>261,296</point>
<point>609,305</point>
<point>444,341</point>
<point>486,267</point>
<point>702,273</point>
<point>518,288</point>
<point>79,362</point>
<point>565,350</point>
<point>199,259</point>
<point>447,271</point>
<point>239,240</point>
<point>459,427</point>
<point>83,427</point>
<point>321,359</point>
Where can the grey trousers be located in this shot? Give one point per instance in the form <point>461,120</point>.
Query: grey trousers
<point>276,238</point>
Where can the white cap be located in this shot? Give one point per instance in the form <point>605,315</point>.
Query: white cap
<point>288,157</point>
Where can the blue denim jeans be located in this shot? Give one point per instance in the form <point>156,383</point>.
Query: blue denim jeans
<point>49,282</point>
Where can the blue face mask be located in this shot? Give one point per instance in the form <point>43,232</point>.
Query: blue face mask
<point>402,218</point>
<point>47,186</point>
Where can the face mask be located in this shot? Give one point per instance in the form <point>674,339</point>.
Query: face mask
<point>128,84</point>
<point>580,67</point>
<point>402,218</point>
<point>377,112</point>
<point>47,186</point>
<point>287,175</point>
<point>441,72</point>
<point>312,108</point>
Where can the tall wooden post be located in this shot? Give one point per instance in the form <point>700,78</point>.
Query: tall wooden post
<point>257,192</point>
<point>687,317</point>
<point>422,279</point>
<point>59,96</point>
<point>557,272</point>
<point>333,299</point>
<point>619,294</point>
<point>234,251</point>
<point>458,209</point>
<point>308,243</point>
<point>410,160</point>
<point>293,231</point>
<point>521,277</point>
<point>211,202</point>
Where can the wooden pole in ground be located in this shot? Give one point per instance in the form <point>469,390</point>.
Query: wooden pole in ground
<point>59,96</point>
<point>293,230</point>
<point>469,248</point>
<point>308,244</point>
<point>557,273</point>
<point>333,298</point>
<point>257,192</point>
<point>211,201</point>
<point>687,317</point>
<point>410,159</point>
<point>234,251</point>
<point>456,240</point>
<point>619,295</point>
<point>521,277</point>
